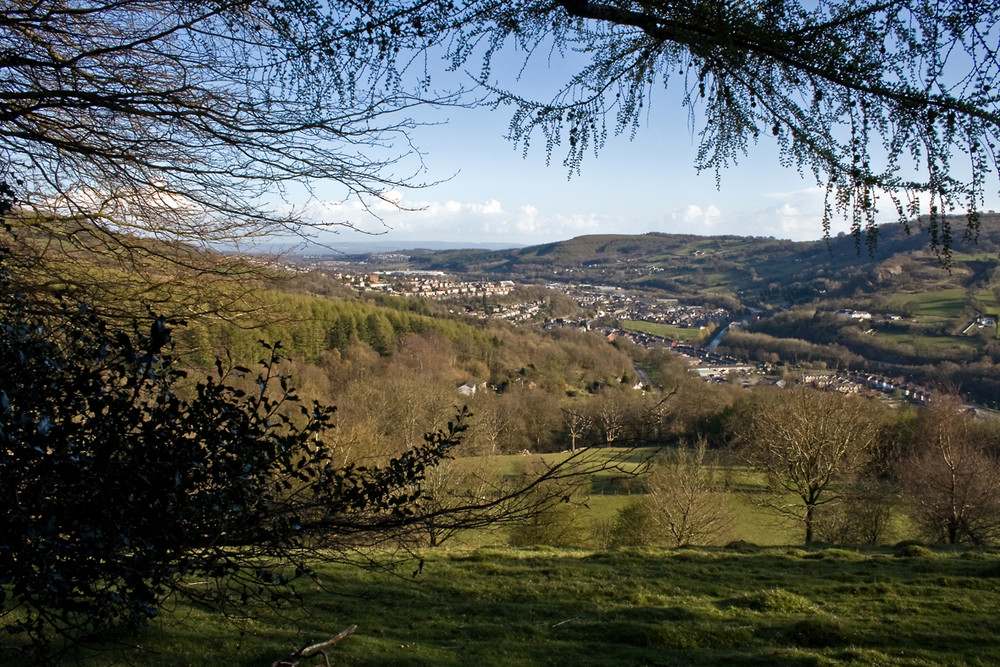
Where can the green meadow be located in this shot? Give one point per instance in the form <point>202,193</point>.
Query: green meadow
<point>949,342</point>
<point>759,599</point>
<point>946,303</point>
<point>667,330</point>
<point>742,605</point>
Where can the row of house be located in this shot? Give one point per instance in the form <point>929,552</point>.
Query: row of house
<point>850,382</point>
<point>620,304</point>
<point>424,284</point>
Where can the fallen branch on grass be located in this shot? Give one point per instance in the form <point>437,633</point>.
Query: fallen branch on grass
<point>293,658</point>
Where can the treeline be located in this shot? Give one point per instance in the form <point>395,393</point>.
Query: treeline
<point>843,468</point>
<point>308,326</point>
<point>762,347</point>
<point>395,374</point>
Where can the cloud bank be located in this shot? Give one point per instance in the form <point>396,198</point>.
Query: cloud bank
<point>487,221</point>
<point>795,214</point>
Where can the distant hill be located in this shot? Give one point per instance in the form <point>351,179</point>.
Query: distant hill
<point>756,269</point>
<point>378,245</point>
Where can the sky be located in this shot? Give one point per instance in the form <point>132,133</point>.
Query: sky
<point>486,191</point>
<point>490,193</point>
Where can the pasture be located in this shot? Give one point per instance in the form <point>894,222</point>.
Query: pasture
<point>742,605</point>
<point>671,331</point>
<point>760,598</point>
<point>947,303</point>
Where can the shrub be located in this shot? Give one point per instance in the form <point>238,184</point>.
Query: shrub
<point>951,476</point>
<point>549,510</point>
<point>634,525</point>
<point>861,517</point>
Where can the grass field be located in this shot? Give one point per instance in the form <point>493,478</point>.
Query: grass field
<point>611,489</point>
<point>742,606</point>
<point>929,341</point>
<point>475,601</point>
<point>667,330</point>
<point>942,303</point>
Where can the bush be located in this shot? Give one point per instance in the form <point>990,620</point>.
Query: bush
<point>557,525</point>
<point>951,476</point>
<point>548,513</point>
<point>684,504</point>
<point>861,517</point>
<point>634,526</point>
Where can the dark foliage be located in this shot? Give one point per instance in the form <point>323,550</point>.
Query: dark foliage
<point>119,479</point>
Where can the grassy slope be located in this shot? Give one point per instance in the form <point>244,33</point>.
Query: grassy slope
<point>473,603</point>
<point>759,606</point>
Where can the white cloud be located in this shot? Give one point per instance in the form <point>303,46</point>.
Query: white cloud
<point>812,192</point>
<point>694,219</point>
<point>696,215</point>
<point>796,214</point>
<point>491,207</point>
<point>454,220</point>
<point>799,215</point>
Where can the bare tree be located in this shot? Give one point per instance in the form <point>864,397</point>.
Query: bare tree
<point>808,444</point>
<point>493,428</point>
<point>455,482</point>
<point>126,122</point>
<point>687,497</point>
<point>863,516</point>
<point>951,476</point>
<point>578,425</point>
<point>612,414</point>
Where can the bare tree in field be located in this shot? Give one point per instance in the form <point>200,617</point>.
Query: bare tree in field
<point>612,414</point>
<point>452,484</point>
<point>687,498</point>
<point>494,426</point>
<point>578,425</point>
<point>951,476</point>
<point>808,444</point>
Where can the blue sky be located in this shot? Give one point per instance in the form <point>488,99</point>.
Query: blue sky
<point>489,193</point>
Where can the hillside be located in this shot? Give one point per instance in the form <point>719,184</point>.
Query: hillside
<point>756,270</point>
<point>921,316</point>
